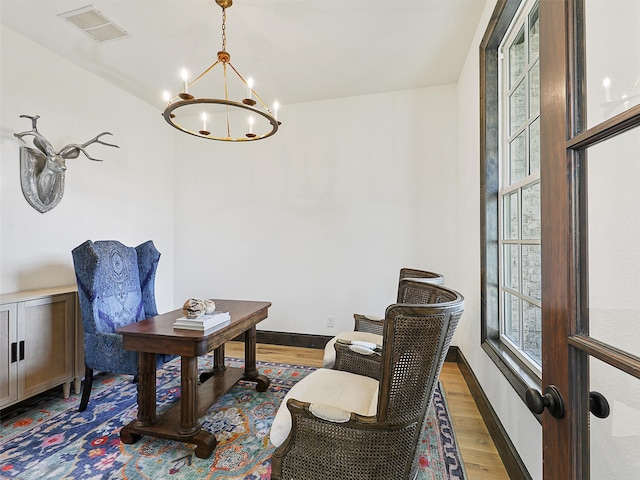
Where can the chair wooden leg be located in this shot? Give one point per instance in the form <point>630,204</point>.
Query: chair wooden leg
<point>86,389</point>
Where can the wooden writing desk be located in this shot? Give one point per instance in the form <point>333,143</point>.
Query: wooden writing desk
<point>157,335</point>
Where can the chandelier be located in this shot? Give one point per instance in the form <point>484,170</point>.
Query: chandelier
<point>221,118</point>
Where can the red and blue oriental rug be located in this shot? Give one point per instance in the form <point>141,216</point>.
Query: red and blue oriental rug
<point>50,439</point>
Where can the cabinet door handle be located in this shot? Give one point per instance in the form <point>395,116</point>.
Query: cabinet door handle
<point>14,352</point>
<point>21,349</point>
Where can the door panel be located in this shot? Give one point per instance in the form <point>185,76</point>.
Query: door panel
<point>612,86</point>
<point>615,440</point>
<point>613,213</point>
<point>48,343</point>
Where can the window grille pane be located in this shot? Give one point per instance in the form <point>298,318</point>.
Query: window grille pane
<point>518,317</point>
<point>517,60</point>
<point>531,272</point>
<point>511,264</point>
<point>517,108</point>
<point>511,216</point>
<point>613,233</point>
<point>534,34</point>
<point>612,41</point>
<point>512,318</point>
<point>532,329</point>
<point>531,212</point>
<point>534,147</point>
<point>517,159</point>
<point>534,89</point>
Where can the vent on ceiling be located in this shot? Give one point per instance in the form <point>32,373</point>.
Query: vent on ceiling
<point>94,23</point>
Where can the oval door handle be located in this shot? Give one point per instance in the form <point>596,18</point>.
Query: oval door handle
<point>552,400</point>
<point>598,405</point>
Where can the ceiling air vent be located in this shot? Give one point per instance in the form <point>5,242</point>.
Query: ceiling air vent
<point>94,23</point>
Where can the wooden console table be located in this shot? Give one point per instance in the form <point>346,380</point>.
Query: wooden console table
<point>157,335</point>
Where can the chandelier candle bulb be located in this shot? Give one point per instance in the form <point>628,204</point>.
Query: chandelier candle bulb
<point>185,77</point>
<point>167,96</point>
<point>249,101</point>
<point>185,95</point>
<point>251,134</point>
<point>204,130</point>
<point>276,106</point>
<point>606,83</point>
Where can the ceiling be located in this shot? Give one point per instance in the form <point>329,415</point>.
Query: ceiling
<point>296,50</point>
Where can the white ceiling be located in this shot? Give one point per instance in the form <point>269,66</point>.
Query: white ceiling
<point>296,50</point>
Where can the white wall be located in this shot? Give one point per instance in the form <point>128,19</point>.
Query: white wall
<point>522,427</point>
<point>128,196</point>
<point>320,218</point>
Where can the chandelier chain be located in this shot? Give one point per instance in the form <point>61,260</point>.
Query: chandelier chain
<point>224,29</point>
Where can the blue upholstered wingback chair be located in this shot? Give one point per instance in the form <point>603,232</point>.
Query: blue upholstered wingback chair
<point>116,287</point>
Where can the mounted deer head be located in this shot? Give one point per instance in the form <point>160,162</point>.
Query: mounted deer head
<point>42,170</point>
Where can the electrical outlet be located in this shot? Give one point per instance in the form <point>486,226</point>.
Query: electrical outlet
<point>330,321</point>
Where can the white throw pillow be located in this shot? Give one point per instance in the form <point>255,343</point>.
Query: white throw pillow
<point>333,388</point>
<point>329,359</point>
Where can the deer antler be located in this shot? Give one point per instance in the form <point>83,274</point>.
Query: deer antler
<point>39,141</point>
<point>73,149</point>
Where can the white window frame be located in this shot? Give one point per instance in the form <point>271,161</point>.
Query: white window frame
<point>520,24</point>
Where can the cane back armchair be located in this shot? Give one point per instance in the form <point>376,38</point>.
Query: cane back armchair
<point>368,328</point>
<point>343,425</point>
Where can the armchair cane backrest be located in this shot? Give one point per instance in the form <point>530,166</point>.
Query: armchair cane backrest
<point>417,334</point>
<point>424,276</point>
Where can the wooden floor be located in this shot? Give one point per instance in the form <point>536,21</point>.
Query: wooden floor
<point>481,460</point>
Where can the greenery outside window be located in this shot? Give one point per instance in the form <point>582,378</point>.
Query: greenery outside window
<point>511,250</point>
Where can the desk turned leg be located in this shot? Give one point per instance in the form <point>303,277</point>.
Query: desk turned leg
<point>189,426</point>
<point>146,398</point>
<point>218,364</point>
<point>188,396</point>
<point>218,360</point>
<point>147,389</point>
<point>250,371</point>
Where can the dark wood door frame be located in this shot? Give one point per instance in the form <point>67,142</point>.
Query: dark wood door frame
<point>558,254</point>
<point>564,138</point>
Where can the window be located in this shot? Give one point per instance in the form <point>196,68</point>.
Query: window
<point>511,223</point>
<point>519,189</point>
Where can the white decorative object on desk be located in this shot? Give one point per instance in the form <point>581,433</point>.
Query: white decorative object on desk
<point>210,306</point>
<point>193,308</point>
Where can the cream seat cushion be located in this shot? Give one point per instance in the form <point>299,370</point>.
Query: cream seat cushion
<point>333,389</point>
<point>330,353</point>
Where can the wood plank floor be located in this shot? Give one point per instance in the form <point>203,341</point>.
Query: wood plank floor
<point>481,460</point>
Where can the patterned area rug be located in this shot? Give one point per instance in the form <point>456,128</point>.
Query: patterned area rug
<point>50,439</point>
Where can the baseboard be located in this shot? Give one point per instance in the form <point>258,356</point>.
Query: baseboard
<point>452,354</point>
<point>312,341</point>
<point>290,339</point>
<point>510,458</point>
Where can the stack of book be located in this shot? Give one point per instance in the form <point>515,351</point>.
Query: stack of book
<point>205,322</point>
